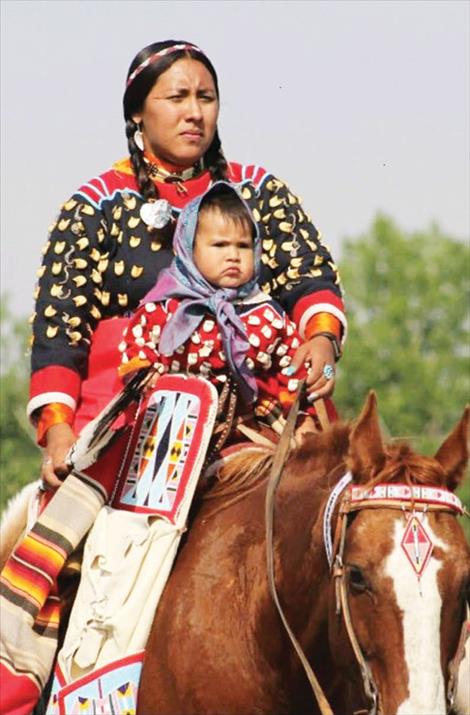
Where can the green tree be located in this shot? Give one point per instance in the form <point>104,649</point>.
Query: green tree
<point>408,304</point>
<point>19,456</point>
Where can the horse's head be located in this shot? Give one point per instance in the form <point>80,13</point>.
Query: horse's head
<point>402,574</point>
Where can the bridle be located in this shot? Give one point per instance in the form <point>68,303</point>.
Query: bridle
<point>353,499</point>
<point>408,500</point>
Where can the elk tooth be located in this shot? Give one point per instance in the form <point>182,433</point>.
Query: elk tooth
<point>79,300</point>
<point>137,271</point>
<point>52,331</point>
<point>50,311</point>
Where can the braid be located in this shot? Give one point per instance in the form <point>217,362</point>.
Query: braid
<point>215,160</point>
<point>144,182</point>
<point>147,187</point>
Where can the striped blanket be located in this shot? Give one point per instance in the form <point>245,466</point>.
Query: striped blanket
<point>29,596</point>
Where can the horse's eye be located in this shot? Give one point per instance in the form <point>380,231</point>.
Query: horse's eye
<point>357,580</point>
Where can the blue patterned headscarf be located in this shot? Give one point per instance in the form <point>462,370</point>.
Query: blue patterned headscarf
<point>182,280</point>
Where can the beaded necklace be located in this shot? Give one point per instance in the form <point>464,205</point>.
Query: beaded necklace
<point>171,174</point>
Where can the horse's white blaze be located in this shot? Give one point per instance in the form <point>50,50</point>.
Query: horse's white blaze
<point>462,696</point>
<point>421,606</point>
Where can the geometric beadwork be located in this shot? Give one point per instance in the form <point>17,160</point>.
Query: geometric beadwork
<point>167,447</point>
<point>416,544</point>
<point>111,689</point>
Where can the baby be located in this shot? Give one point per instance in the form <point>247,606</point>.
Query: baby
<point>207,316</point>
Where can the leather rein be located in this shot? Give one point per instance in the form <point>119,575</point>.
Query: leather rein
<point>349,504</point>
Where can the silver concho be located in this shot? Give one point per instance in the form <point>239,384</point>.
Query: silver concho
<point>156,213</point>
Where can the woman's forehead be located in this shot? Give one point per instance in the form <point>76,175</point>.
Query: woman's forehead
<point>186,72</point>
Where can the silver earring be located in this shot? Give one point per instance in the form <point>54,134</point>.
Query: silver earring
<point>139,139</point>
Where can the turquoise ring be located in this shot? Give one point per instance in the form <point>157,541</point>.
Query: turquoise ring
<point>328,371</point>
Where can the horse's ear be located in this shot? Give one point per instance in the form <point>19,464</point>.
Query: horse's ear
<point>366,452</point>
<point>452,455</point>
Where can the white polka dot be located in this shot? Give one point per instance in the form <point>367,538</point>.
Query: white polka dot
<point>205,351</point>
<point>205,368</point>
<point>264,359</point>
<point>270,349</point>
<point>208,325</point>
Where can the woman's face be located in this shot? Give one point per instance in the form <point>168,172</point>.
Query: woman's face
<point>179,116</point>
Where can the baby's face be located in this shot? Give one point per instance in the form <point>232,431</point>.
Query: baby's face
<point>223,250</point>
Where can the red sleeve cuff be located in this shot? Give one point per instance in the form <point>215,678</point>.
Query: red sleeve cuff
<point>54,384</point>
<point>323,301</point>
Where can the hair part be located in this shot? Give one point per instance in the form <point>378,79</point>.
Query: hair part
<point>134,98</point>
<point>227,202</point>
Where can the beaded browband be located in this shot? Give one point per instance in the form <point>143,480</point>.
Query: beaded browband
<point>416,494</point>
<point>157,56</point>
<point>396,496</point>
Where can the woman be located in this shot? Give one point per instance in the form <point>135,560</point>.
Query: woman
<point>113,237</point>
<point>104,253</point>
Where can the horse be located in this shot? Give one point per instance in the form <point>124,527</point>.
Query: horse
<point>380,636</point>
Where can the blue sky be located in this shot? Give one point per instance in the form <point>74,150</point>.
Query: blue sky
<point>359,106</point>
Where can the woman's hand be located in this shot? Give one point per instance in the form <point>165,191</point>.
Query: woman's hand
<point>318,353</point>
<point>59,439</point>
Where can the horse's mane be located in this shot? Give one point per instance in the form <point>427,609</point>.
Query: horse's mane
<point>324,457</point>
<point>404,465</point>
<point>240,473</point>
<point>318,454</point>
